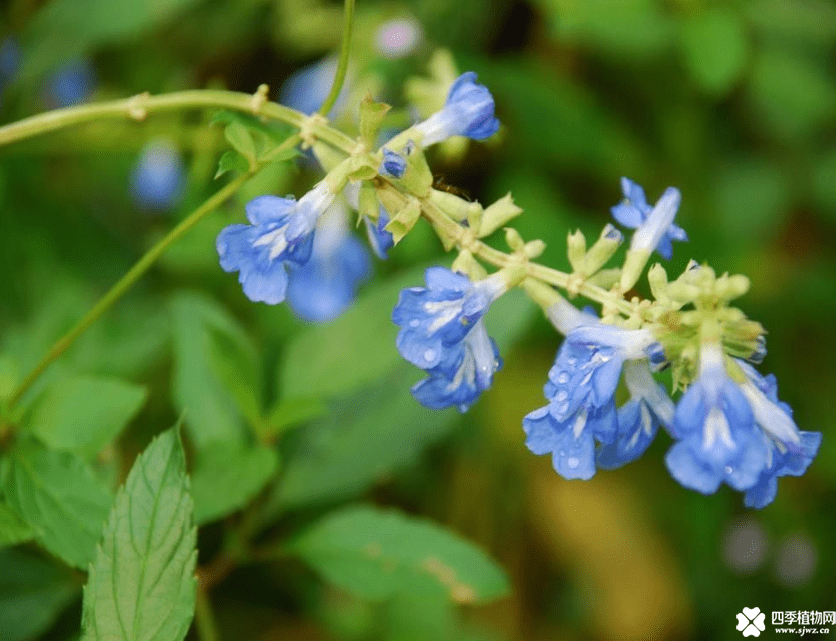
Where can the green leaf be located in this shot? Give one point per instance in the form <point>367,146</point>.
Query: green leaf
<point>380,429</point>
<point>792,91</point>
<point>753,199</point>
<point>212,410</point>
<point>59,498</point>
<point>253,138</point>
<point>13,528</point>
<point>231,160</point>
<point>581,131</point>
<point>141,584</point>
<point>636,28</point>
<point>376,553</point>
<point>353,351</point>
<point>227,476</point>
<point>715,48</point>
<point>65,29</point>
<point>235,368</point>
<point>84,413</point>
<point>290,412</point>
<point>33,592</point>
<point>238,135</point>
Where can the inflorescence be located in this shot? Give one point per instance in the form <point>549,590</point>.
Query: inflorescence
<point>728,425</point>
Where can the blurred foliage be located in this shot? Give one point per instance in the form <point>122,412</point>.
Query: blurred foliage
<point>308,435</point>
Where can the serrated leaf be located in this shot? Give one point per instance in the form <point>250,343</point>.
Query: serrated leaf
<point>231,160</point>
<point>13,528</point>
<point>33,592</point>
<point>59,498</point>
<point>239,136</point>
<point>141,584</point>
<point>227,476</point>
<point>84,413</point>
<point>376,553</point>
<point>212,411</point>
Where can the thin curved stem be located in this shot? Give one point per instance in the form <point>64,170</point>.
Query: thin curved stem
<point>342,65</point>
<point>140,106</point>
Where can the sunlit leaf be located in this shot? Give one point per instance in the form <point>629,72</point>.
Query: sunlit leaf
<point>376,553</point>
<point>141,584</point>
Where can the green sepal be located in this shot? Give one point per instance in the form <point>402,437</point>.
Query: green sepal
<point>454,206</point>
<point>468,265</point>
<point>371,118</point>
<point>418,178</point>
<point>498,215</point>
<point>576,249</point>
<point>367,202</point>
<point>403,222</point>
<point>359,167</point>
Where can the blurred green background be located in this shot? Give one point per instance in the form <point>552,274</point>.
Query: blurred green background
<point>734,102</point>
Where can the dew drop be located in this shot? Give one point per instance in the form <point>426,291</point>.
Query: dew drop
<point>563,378</point>
<point>572,463</point>
<point>429,355</point>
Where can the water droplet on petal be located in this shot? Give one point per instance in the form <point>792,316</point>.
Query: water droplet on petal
<point>572,463</point>
<point>429,355</point>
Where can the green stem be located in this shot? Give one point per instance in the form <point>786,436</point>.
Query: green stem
<point>138,107</point>
<point>135,272</point>
<point>342,65</point>
<point>204,618</point>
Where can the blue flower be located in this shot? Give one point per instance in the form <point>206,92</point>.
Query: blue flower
<point>393,164</point>
<point>306,89</point>
<point>638,419</point>
<point>718,438</point>
<point>654,225</point>
<point>323,287</point>
<point>789,450</point>
<point>469,111</point>
<point>157,177</point>
<point>280,231</point>
<point>580,391</point>
<point>72,84</point>
<point>443,333</point>
<point>380,240</point>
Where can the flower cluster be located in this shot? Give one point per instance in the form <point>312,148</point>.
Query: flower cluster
<point>303,252</point>
<point>604,405</point>
<point>728,426</point>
